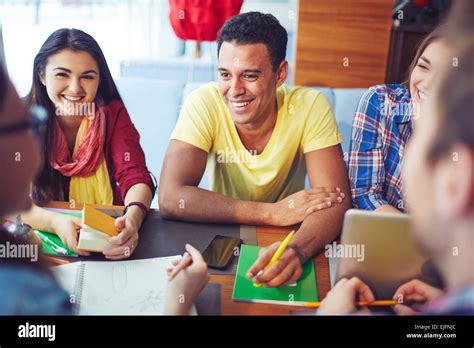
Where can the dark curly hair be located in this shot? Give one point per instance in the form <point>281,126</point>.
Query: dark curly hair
<point>253,28</point>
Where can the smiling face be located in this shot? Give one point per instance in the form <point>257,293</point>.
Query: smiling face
<point>70,78</point>
<point>438,167</point>
<point>435,55</point>
<point>248,83</point>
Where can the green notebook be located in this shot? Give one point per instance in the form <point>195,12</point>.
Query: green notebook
<point>51,244</point>
<point>304,291</point>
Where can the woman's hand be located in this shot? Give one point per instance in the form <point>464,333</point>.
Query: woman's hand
<point>127,239</point>
<point>185,287</point>
<point>67,228</point>
<point>412,294</point>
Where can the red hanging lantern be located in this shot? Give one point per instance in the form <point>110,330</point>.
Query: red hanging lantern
<point>421,3</point>
<point>201,20</point>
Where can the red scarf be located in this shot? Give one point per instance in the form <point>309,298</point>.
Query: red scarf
<point>87,156</point>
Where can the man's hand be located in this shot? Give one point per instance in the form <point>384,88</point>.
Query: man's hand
<point>126,240</point>
<point>286,270</point>
<point>414,293</point>
<point>343,297</point>
<point>294,208</point>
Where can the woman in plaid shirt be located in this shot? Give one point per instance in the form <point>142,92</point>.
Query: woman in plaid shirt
<point>382,126</point>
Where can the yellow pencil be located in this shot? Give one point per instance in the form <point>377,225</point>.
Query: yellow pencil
<point>278,253</point>
<point>359,303</point>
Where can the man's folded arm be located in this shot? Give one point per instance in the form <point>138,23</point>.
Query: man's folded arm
<point>181,199</point>
<point>325,167</point>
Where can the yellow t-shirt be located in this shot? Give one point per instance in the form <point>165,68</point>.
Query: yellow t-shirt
<point>305,123</point>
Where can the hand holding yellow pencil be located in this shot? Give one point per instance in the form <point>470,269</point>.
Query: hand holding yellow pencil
<point>346,296</point>
<point>277,254</point>
<point>377,303</point>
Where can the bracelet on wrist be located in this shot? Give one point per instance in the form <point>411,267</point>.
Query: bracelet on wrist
<point>142,206</point>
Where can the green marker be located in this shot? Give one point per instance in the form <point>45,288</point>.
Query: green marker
<point>53,245</point>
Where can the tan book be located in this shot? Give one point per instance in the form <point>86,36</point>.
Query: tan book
<point>97,227</point>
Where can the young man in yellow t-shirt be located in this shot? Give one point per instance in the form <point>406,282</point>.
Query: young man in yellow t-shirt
<point>258,138</point>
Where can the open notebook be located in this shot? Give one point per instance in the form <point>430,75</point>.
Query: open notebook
<point>134,287</point>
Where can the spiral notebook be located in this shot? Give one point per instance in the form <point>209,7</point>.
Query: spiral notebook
<point>134,287</point>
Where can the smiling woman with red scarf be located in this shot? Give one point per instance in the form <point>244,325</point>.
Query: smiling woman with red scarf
<point>91,151</point>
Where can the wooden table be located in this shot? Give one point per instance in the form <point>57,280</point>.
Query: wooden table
<point>265,236</point>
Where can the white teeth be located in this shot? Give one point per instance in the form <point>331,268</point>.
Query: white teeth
<point>70,98</point>
<point>421,95</point>
<point>240,105</point>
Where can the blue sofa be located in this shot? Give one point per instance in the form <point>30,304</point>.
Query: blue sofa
<point>154,107</point>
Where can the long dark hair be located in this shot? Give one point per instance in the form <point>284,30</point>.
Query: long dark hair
<point>47,185</point>
<point>437,33</point>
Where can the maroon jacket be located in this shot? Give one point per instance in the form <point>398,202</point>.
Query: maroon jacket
<point>123,154</point>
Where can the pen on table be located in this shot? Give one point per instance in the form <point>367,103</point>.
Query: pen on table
<point>277,254</point>
<point>184,263</point>
<point>359,303</point>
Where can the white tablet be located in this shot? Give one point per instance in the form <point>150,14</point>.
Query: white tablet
<point>379,249</point>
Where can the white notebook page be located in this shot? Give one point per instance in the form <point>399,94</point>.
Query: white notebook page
<point>134,287</point>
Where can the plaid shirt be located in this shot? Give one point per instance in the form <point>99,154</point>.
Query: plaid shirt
<point>380,131</point>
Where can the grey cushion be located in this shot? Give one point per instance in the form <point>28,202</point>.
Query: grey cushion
<point>346,101</point>
<point>153,106</point>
